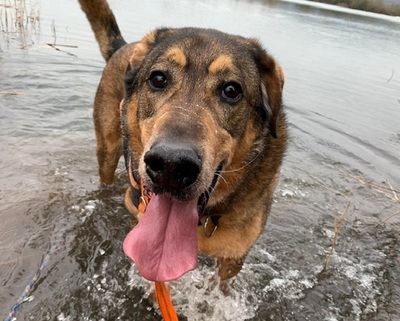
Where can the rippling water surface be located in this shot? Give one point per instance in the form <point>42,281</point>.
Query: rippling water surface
<point>342,95</point>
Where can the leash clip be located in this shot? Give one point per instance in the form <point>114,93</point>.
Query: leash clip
<point>214,220</point>
<point>143,204</point>
<point>144,199</point>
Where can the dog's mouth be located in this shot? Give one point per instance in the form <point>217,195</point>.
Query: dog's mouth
<point>164,242</point>
<point>204,198</point>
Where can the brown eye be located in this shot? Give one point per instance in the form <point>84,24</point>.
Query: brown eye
<point>158,80</point>
<point>232,92</point>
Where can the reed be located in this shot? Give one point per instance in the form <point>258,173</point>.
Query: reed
<point>19,20</point>
<point>11,93</point>
<point>384,189</point>
<point>338,225</point>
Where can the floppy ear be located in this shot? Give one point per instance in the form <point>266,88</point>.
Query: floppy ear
<point>272,81</point>
<point>144,46</point>
<point>140,50</point>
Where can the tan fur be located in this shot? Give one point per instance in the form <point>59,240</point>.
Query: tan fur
<point>176,56</point>
<point>220,64</point>
<point>231,176</point>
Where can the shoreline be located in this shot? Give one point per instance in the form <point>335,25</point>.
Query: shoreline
<point>375,6</point>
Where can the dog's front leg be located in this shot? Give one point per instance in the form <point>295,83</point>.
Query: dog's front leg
<point>228,268</point>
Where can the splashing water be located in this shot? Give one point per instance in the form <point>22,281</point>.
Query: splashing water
<point>197,296</point>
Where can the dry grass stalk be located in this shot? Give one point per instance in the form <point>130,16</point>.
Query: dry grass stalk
<point>338,224</point>
<point>5,5</point>
<point>20,20</point>
<point>58,49</point>
<point>329,188</point>
<point>17,259</point>
<point>391,216</point>
<point>54,31</point>
<point>4,16</point>
<point>61,45</point>
<point>11,93</point>
<point>389,192</point>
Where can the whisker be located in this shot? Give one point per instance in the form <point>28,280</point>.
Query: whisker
<point>244,166</point>
<point>222,178</point>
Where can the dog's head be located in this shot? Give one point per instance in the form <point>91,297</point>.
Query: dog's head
<point>199,105</point>
<point>198,102</point>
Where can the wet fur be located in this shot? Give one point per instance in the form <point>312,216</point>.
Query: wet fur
<point>248,138</point>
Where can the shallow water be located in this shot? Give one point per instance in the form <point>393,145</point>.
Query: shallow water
<point>342,95</point>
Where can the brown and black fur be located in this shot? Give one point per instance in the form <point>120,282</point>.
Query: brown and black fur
<point>241,143</point>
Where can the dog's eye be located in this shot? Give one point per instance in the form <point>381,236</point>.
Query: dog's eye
<point>158,80</point>
<point>232,92</point>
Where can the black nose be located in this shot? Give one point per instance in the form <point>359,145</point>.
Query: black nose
<point>172,166</point>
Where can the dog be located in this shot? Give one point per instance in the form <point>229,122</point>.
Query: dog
<point>198,114</point>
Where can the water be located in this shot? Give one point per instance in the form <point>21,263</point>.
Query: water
<point>342,95</point>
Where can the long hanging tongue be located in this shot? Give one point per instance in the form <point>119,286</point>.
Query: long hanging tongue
<point>164,243</point>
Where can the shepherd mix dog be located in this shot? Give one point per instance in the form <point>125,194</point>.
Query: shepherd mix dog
<point>198,114</point>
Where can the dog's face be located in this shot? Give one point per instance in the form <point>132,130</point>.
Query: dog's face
<point>201,111</point>
<point>199,106</point>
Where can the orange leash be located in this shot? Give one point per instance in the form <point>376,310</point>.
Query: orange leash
<point>164,302</point>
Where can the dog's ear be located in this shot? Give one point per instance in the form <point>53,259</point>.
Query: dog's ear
<point>141,49</point>
<point>144,46</point>
<point>272,81</point>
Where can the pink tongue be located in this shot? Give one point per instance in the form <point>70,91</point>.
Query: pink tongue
<point>164,243</point>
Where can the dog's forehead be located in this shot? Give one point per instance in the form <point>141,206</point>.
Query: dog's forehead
<point>208,49</point>
<point>214,64</point>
